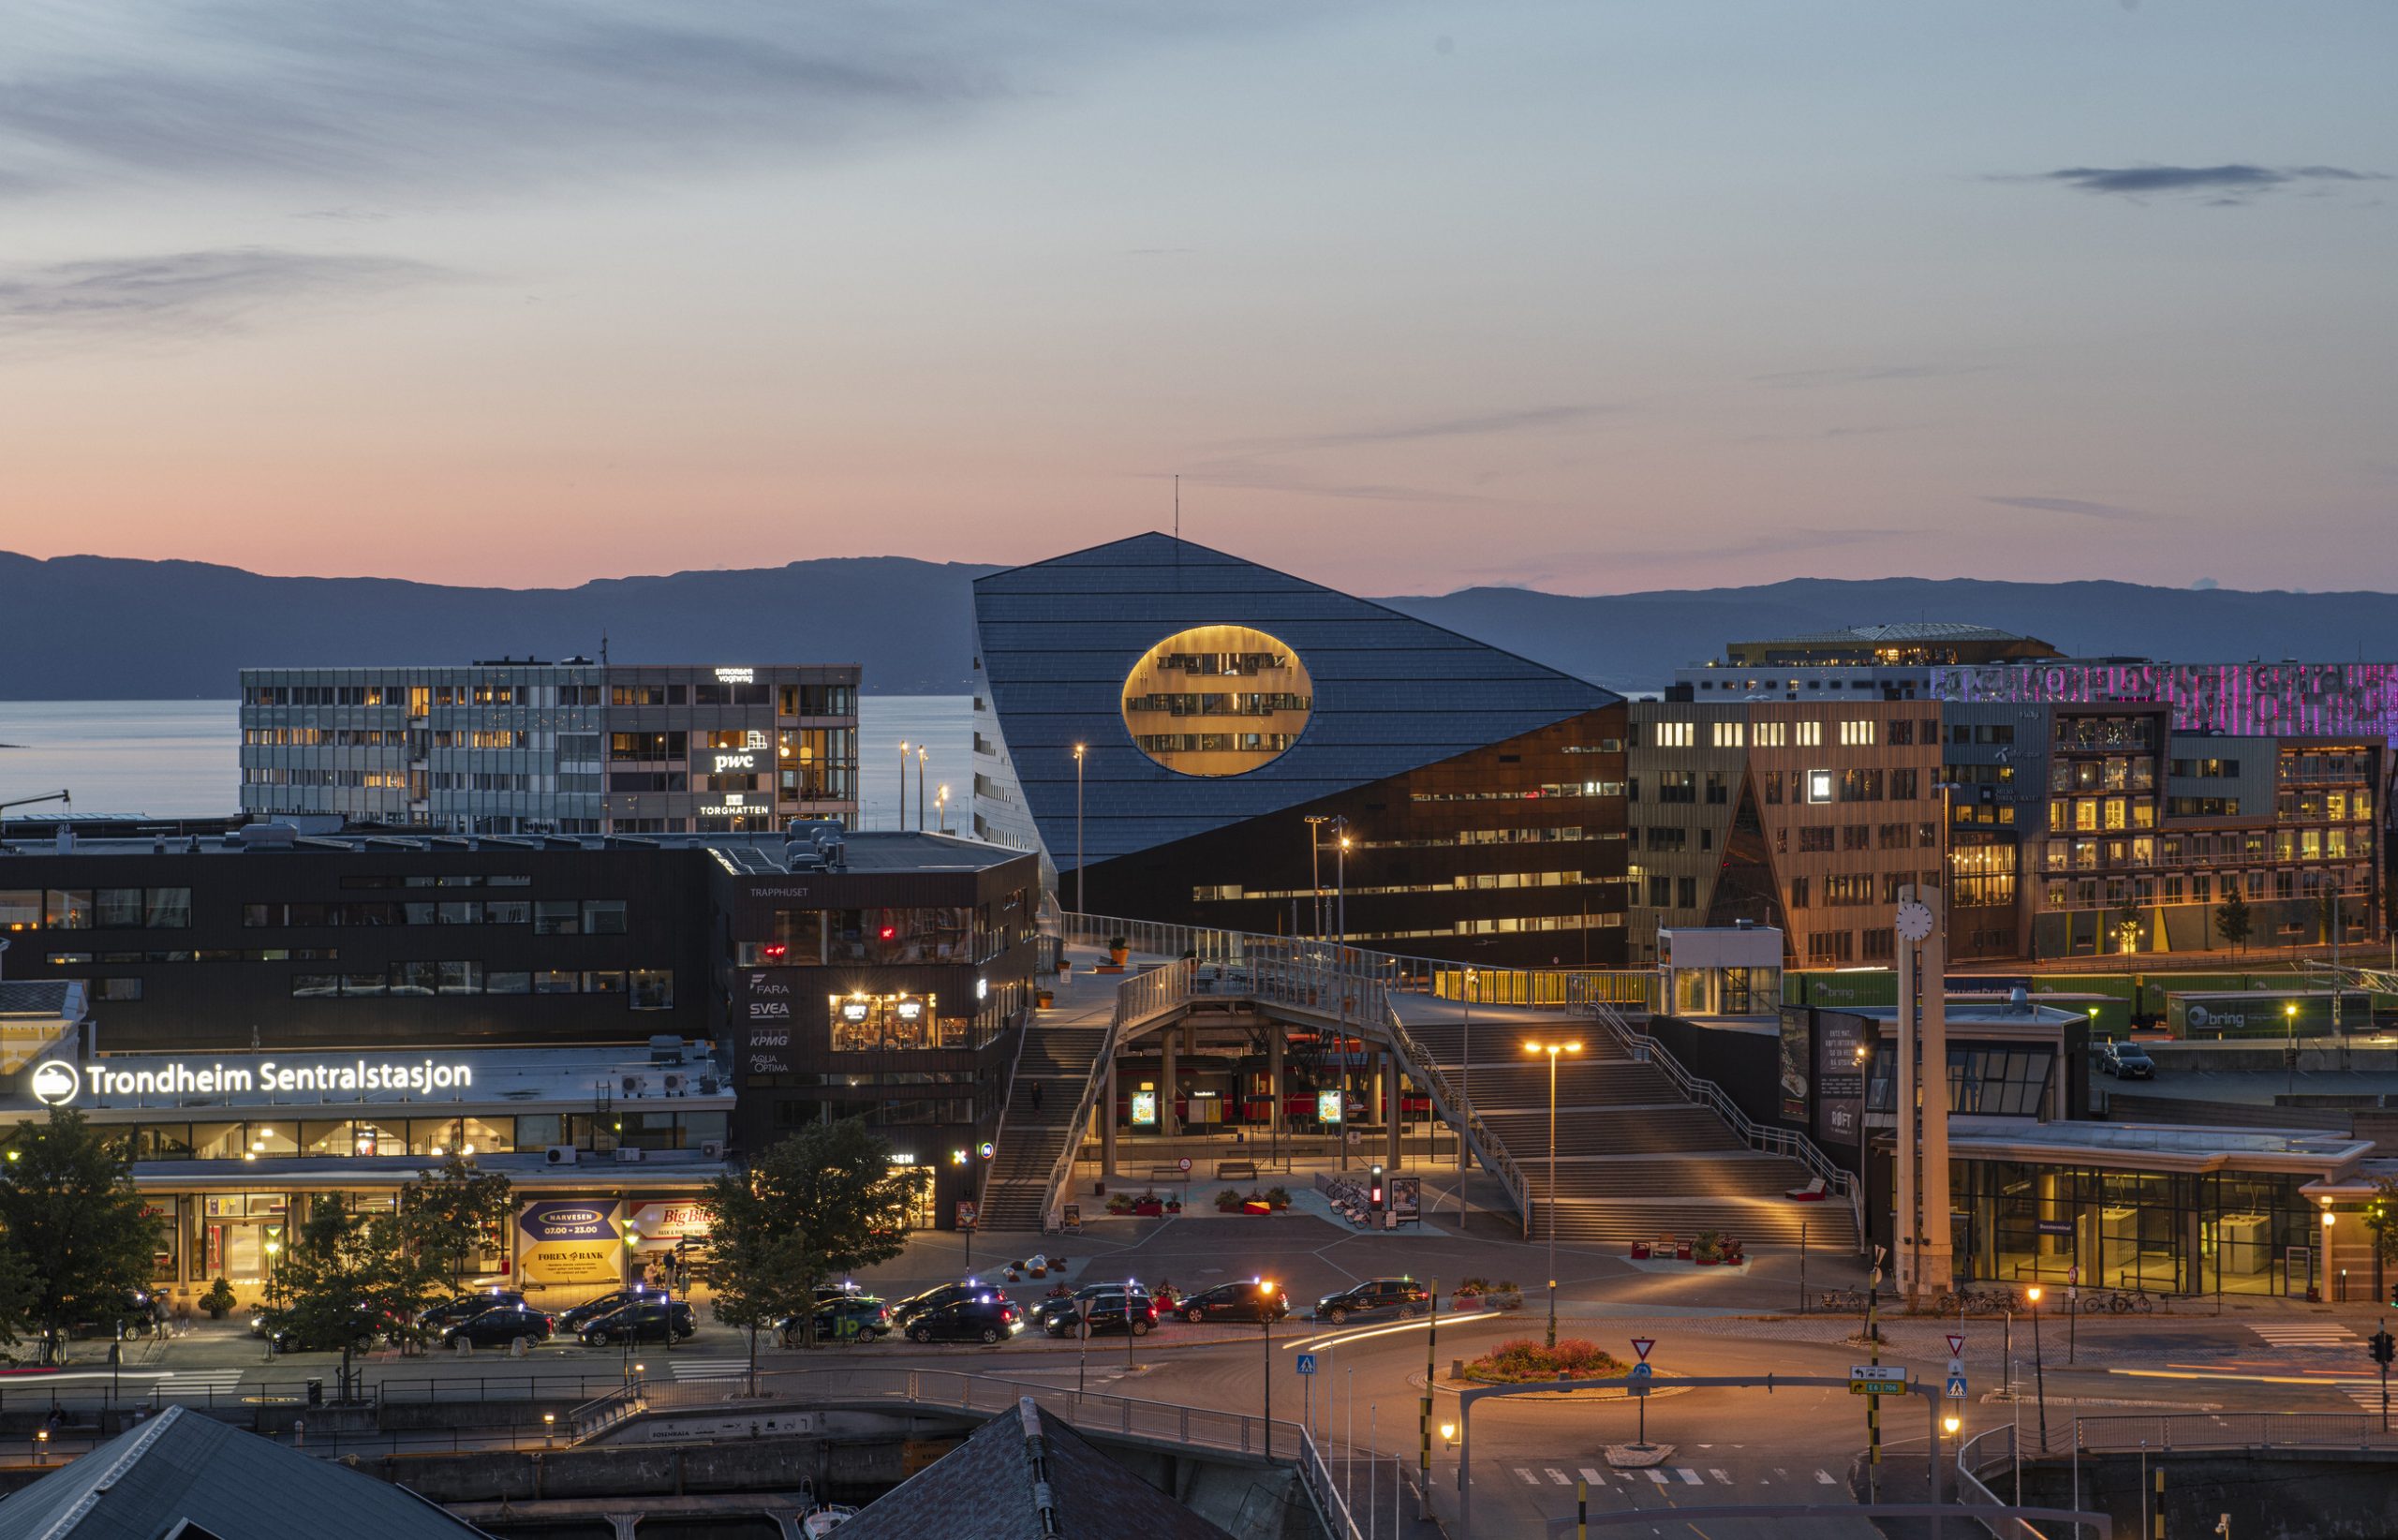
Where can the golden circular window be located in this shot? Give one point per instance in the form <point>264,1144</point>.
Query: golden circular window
<point>1217,700</point>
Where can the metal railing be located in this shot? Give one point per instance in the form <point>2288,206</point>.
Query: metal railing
<point>594,1417</point>
<point>1974,1493</point>
<point>2186,1431</point>
<point>1562,986</point>
<point>1788,1142</point>
<point>1451,1106</point>
<point>1140,999</point>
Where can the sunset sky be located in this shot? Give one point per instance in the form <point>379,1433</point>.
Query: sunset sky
<point>1592,296</point>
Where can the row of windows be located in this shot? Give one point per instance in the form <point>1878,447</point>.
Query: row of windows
<point>1214,743</point>
<point>1548,789</point>
<point>2113,774</point>
<point>643,988</point>
<point>1551,835</point>
<point>2203,887</point>
<point>547,916</point>
<point>1843,890</point>
<point>95,908</point>
<point>2204,769</point>
<point>1251,704</point>
<point>385,780</point>
<point>351,1138</point>
<point>2100,732</point>
<point>1481,879</point>
<point>2250,845</point>
<point>1816,839</point>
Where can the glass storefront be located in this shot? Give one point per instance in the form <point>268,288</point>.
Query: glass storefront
<point>2164,1231</point>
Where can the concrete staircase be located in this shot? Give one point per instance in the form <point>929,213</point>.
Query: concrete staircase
<point>1059,1060</point>
<point>1636,1161</point>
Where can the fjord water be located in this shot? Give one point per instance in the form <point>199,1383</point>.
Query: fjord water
<point>180,759</point>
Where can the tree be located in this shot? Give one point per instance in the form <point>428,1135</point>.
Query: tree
<point>2127,915</point>
<point>68,1207</point>
<point>824,1201</point>
<point>2231,918</point>
<point>760,1277</point>
<point>349,1278</point>
<point>446,1216</point>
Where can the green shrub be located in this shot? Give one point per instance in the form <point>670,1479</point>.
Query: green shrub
<point>1524,1361</point>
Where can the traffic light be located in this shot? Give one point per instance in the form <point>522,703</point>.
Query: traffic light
<point>2385,1347</point>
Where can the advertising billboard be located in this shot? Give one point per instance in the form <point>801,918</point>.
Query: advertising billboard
<point>571,1240</point>
<point>657,1226</point>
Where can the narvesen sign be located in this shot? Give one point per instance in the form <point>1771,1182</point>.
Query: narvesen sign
<point>55,1082</point>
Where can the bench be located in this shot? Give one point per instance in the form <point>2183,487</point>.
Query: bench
<point>1167,1174</point>
<point>1235,1171</point>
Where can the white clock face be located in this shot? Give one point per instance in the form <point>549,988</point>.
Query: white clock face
<point>1915,920</point>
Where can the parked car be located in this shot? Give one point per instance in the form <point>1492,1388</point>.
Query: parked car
<point>1255,1301</point>
<point>654,1319</point>
<point>989,1318</point>
<point>465,1308</point>
<point>500,1325</point>
<point>941,1297</point>
<point>842,1318</point>
<point>607,1304</point>
<point>276,1327</point>
<point>1374,1298</point>
<point>1113,1308</point>
<point>2126,1061</point>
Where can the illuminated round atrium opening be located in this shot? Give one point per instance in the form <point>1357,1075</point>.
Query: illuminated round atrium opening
<point>1217,700</point>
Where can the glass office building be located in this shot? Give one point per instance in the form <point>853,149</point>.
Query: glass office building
<point>1187,736</point>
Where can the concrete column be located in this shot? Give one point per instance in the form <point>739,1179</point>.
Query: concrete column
<point>1937,1263</point>
<point>1902,1229</point>
<point>1394,1084</point>
<point>1168,1125</point>
<point>1107,1123</point>
<point>1274,1073</point>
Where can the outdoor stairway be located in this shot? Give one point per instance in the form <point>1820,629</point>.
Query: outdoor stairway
<point>1059,1060</point>
<point>1636,1161</point>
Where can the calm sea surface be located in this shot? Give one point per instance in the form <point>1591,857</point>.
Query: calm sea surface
<point>179,759</point>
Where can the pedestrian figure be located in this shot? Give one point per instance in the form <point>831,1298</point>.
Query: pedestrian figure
<point>1036,1096</point>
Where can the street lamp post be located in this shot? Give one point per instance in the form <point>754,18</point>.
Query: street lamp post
<point>1265,1339</point>
<point>2289,1048</point>
<point>1078,831</point>
<point>940,800</point>
<point>1465,1092</point>
<point>901,822</point>
<point>1341,884</point>
<point>919,788</point>
<point>2039,1373</point>
<point>1552,1050</point>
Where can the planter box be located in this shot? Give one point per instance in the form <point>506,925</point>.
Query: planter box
<point>1150,1210</point>
<point>1256,1205</point>
<point>1507,1301</point>
<point>1681,1252</point>
<point>1463,1302</point>
<point>1707,1261</point>
<point>1639,1250</point>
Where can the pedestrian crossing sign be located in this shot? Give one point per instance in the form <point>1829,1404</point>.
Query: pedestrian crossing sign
<point>1956,1391</point>
<point>1307,1363</point>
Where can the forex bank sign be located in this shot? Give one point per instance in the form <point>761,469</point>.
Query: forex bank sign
<point>57,1083</point>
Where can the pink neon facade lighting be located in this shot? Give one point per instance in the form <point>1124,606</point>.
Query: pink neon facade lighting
<point>2290,699</point>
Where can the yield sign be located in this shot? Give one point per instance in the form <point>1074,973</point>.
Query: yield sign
<point>1641,1346</point>
<point>1956,1346</point>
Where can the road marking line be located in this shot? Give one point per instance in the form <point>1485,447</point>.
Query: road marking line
<point>1719,1476</point>
<point>1656,1475</point>
<point>1826,1477</point>
<point>1529,1479</point>
<point>1689,1476</point>
<point>1558,1476</point>
<point>1594,1477</point>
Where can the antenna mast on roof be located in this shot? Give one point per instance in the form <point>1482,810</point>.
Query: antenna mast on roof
<point>603,649</point>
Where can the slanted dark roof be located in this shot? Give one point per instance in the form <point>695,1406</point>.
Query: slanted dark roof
<point>40,996</point>
<point>181,1467</point>
<point>995,1485</point>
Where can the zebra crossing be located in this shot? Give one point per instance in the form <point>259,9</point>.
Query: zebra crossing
<point>710,1369</point>
<point>1652,1476</point>
<point>219,1384</point>
<point>2288,1334</point>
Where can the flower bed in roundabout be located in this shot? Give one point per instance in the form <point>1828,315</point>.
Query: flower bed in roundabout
<point>1525,1361</point>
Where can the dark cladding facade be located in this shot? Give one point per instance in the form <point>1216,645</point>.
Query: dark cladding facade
<point>206,944</point>
<point>1220,705</point>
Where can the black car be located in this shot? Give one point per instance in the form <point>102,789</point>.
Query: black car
<point>277,1327</point>
<point>607,1304</point>
<point>651,1320</point>
<point>1373,1298</point>
<point>1113,1309</point>
<point>937,1299</point>
<point>499,1325</point>
<point>989,1318</point>
<point>2127,1061</point>
<point>465,1308</point>
<point>1254,1300</point>
<point>846,1317</point>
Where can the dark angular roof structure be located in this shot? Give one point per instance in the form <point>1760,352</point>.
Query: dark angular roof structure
<point>186,1475</point>
<point>1026,1475</point>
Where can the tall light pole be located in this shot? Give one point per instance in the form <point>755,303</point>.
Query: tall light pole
<point>1315,866</point>
<point>1552,1050</point>
<point>941,799</point>
<point>919,788</point>
<point>2289,1049</point>
<point>1078,832</point>
<point>1341,884</point>
<point>1465,1091</point>
<point>902,822</point>
<point>1265,1335</point>
<point>2040,1371</point>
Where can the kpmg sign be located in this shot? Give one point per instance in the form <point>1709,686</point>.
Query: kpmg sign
<point>57,1083</point>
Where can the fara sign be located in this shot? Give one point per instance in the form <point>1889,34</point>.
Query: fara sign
<point>572,1240</point>
<point>56,1082</point>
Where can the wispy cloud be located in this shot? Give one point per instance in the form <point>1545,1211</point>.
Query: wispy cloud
<point>2070,505</point>
<point>185,293</point>
<point>1795,379</point>
<point>2234,183</point>
<point>1796,540</point>
<point>457,95</point>
<point>1467,425</point>
<point>1264,476</point>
